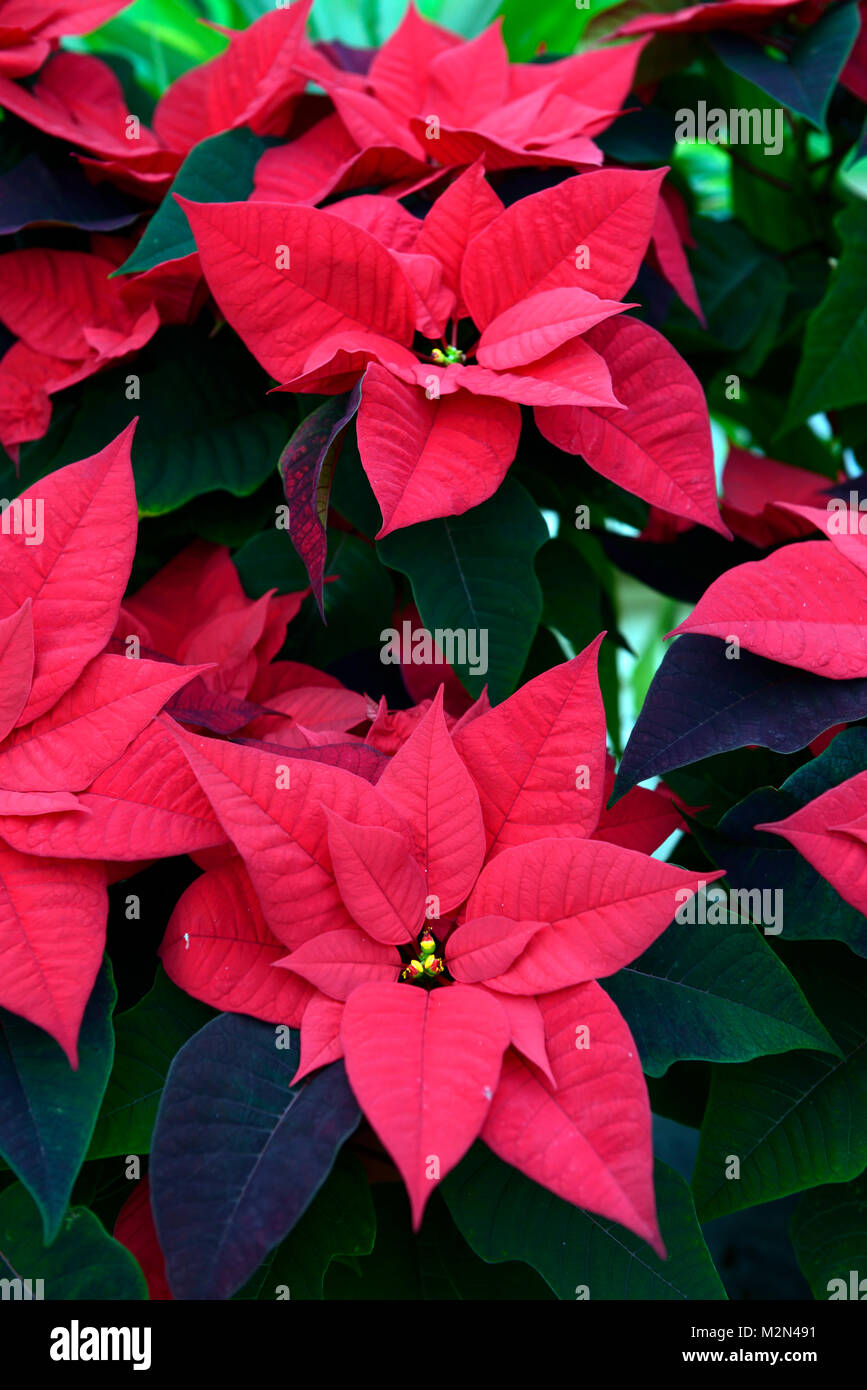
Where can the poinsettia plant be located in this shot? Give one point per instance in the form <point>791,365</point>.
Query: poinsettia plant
<point>433,684</point>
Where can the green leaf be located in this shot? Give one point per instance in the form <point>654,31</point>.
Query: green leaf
<point>146,1039</point>
<point>475,573</point>
<point>217,170</point>
<point>713,993</point>
<point>741,288</point>
<point>48,1111</point>
<point>205,422</point>
<point>832,371</point>
<point>756,859</point>
<point>574,602</point>
<point>805,80</point>
<point>505,1216</point>
<point>436,1264</point>
<point>340,1221</point>
<point>829,1234</point>
<point>84,1261</point>
<point>794,1121</point>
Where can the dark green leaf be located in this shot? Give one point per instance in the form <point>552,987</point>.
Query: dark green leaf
<point>146,1039</point>
<point>218,170</point>
<point>505,1216</point>
<point>84,1262</point>
<point>829,1233</point>
<point>713,993</point>
<point>794,1121</point>
<point>475,573</point>
<point>48,1111</point>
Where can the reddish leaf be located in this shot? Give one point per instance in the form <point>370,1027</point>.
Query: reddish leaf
<point>380,882</point>
<point>659,447</point>
<point>428,783</point>
<point>641,820</point>
<point>218,948</point>
<point>146,805</point>
<point>424,1066</point>
<point>536,326</point>
<point>339,962</point>
<point>538,759</point>
<point>307,468</point>
<point>459,214</point>
<point>16,665</point>
<point>281,830</point>
<point>829,834</point>
<point>486,946</point>
<point>671,256</point>
<point>610,213</point>
<point>90,726</point>
<point>338,278</point>
<point>803,605</point>
<point>52,936</point>
<point>253,83</point>
<point>605,905</point>
<point>527,1029</point>
<point>430,458</point>
<point>135,1229</point>
<point>588,1140</point>
<point>77,576</point>
<point>320,1035</point>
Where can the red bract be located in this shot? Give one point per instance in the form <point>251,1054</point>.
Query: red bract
<point>68,713</point>
<point>322,297</point>
<point>802,605</point>
<point>491,1026</point>
<point>28,28</point>
<point>431,95</point>
<point>77,98</point>
<point>253,83</point>
<point>70,320</point>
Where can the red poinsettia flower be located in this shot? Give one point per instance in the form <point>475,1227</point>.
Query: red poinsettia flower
<point>430,98</point>
<point>445,931</point>
<point>70,713</point>
<point>527,305</point>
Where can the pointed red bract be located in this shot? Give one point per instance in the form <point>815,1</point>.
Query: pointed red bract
<point>589,1139</point>
<point>272,809</point>
<point>218,948</point>
<point>803,605</point>
<point>339,962</point>
<point>52,937</point>
<point>287,277</point>
<point>659,447</point>
<point>538,759</point>
<point>429,785</point>
<point>605,906</point>
<point>427,458</point>
<point>462,212</point>
<point>90,726</point>
<point>253,83</point>
<point>609,214</point>
<point>424,1066</point>
<point>320,1035</point>
<point>486,946</point>
<point>381,883</point>
<point>77,575</point>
